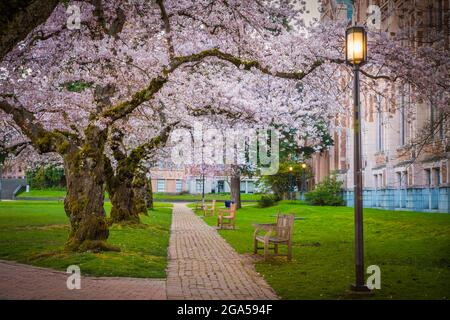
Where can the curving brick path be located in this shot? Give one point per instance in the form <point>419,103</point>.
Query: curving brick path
<point>202,265</point>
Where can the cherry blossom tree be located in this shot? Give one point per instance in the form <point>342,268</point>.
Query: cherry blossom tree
<point>66,88</point>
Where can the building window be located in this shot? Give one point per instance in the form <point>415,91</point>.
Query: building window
<point>380,130</point>
<point>436,177</point>
<point>250,187</point>
<point>432,118</point>
<point>436,122</point>
<point>178,186</point>
<point>220,186</point>
<point>405,178</point>
<point>199,185</point>
<point>428,177</point>
<point>403,122</point>
<point>161,185</point>
<point>243,187</point>
<point>402,179</point>
<point>378,181</point>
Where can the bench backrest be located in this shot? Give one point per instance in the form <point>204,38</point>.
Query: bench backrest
<point>285,225</point>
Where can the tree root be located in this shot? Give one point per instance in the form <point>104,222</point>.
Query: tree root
<point>91,246</point>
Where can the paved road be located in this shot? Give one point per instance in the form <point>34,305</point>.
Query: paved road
<point>18,281</point>
<point>202,265</point>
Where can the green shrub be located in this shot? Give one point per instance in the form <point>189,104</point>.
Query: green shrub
<point>268,200</point>
<point>46,177</point>
<point>326,193</point>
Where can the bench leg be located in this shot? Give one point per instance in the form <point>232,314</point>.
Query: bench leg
<point>275,248</point>
<point>255,246</point>
<point>266,250</point>
<point>289,257</point>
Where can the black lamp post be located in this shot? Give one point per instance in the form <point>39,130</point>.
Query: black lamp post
<point>356,55</point>
<point>303,178</point>
<point>290,183</point>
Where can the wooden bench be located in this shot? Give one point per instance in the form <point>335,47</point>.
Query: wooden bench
<point>227,217</point>
<point>209,209</point>
<point>276,234</point>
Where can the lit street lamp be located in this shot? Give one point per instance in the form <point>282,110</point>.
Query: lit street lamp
<point>356,55</point>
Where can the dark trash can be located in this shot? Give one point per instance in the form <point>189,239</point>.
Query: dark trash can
<point>228,203</point>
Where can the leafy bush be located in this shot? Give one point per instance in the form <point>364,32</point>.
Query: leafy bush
<point>268,200</point>
<point>326,193</point>
<point>285,180</point>
<point>46,177</point>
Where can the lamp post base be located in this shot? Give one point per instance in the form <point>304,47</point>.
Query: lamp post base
<point>363,290</point>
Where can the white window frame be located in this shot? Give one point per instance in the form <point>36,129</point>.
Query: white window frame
<point>158,183</point>
<point>178,185</point>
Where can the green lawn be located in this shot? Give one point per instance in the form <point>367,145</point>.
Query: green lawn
<point>49,193</point>
<point>42,193</point>
<point>412,250</point>
<point>34,232</point>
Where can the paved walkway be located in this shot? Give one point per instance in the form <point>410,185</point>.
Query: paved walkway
<point>18,281</point>
<point>202,265</point>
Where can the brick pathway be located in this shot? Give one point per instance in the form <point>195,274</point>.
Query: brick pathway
<point>202,265</point>
<point>18,281</point>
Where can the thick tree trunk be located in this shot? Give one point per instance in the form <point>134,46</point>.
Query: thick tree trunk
<point>84,170</point>
<point>122,201</point>
<point>128,195</point>
<point>235,186</point>
<point>128,186</point>
<point>121,195</point>
<point>139,193</point>
<point>120,184</point>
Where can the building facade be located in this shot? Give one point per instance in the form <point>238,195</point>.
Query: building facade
<point>167,178</point>
<point>396,175</point>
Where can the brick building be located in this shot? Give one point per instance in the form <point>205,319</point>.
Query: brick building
<point>167,178</point>
<point>395,176</point>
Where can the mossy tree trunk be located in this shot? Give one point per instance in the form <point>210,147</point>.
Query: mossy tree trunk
<point>121,194</point>
<point>128,185</point>
<point>84,171</point>
<point>140,192</point>
<point>85,175</point>
<point>122,200</point>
